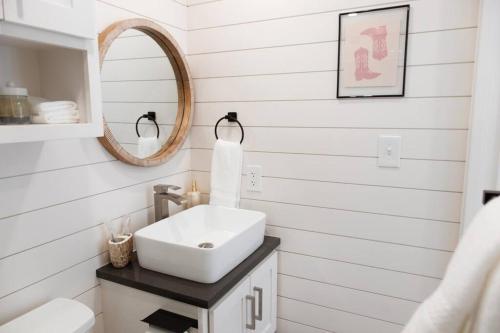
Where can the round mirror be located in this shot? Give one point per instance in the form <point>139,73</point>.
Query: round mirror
<point>146,92</point>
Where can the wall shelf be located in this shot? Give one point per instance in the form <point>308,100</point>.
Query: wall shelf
<point>44,132</point>
<point>54,66</point>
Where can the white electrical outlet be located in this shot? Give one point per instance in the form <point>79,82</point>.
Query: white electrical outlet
<point>389,151</point>
<point>254,178</point>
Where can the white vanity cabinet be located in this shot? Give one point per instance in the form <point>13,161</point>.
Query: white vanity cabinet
<point>73,17</point>
<point>244,301</point>
<point>251,306</point>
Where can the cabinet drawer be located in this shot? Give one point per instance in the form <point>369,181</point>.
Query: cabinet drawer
<point>73,17</point>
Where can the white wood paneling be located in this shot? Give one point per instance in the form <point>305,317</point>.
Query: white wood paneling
<point>239,12</point>
<point>376,280</point>
<point>418,174</point>
<point>304,197</point>
<point>69,283</point>
<point>31,157</point>
<point>416,144</point>
<point>391,229</point>
<point>406,259</point>
<point>368,304</point>
<point>169,12</point>
<point>293,327</point>
<point>447,46</point>
<point>27,193</point>
<point>346,225</point>
<point>321,27</point>
<point>51,232</point>
<point>436,113</point>
<point>331,319</point>
<point>39,263</point>
<point>450,46</point>
<point>25,231</point>
<point>422,81</point>
<point>422,204</point>
<point>108,13</point>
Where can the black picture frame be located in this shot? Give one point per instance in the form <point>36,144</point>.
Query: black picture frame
<point>339,48</point>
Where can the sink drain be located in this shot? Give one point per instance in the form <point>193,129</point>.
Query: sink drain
<point>205,245</point>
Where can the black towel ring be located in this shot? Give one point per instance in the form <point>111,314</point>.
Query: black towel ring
<point>151,115</point>
<point>232,117</point>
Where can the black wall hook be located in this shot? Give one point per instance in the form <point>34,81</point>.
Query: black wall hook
<point>151,115</point>
<point>231,117</point>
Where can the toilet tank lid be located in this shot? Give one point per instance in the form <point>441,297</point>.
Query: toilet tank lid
<point>57,316</point>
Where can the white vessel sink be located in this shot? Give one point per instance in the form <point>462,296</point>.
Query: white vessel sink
<point>201,244</point>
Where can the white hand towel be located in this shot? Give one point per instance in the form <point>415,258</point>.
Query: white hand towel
<point>455,300</point>
<point>227,160</point>
<point>147,146</point>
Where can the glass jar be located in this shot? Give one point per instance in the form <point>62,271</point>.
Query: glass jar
<point>14,105</point>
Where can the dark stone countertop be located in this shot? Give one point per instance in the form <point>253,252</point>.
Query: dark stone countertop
<point>182,290</point>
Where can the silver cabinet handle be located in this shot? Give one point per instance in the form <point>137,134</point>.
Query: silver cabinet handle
<point>259,295</point>
<point>251,326</point>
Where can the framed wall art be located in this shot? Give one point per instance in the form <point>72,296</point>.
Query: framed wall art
<point>372,47</point>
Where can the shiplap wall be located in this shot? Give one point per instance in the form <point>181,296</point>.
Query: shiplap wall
<point>362,246</point>
<point>54,197</point>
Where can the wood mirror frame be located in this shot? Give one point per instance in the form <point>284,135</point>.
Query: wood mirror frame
<point>185,103</point>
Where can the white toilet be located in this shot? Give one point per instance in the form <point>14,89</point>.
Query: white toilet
<point>57,316</point>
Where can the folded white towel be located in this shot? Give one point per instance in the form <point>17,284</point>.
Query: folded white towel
<point>227,160</point>
<point>59,113</point>
<point>147,146</point>
<point>70,119</point>
<point>47,107</point>
<point>455,300</point>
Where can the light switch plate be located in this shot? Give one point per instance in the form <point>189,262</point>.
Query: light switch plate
<point>254,178</point>
<point>389,151</point>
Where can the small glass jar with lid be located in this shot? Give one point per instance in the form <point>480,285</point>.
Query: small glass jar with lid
<point>14,105</point>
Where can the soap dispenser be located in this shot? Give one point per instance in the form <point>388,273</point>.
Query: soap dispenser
<point>194,196</point>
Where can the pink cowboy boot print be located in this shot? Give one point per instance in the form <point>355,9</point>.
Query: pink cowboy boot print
<point>362,70</point>
<point>379,38</point>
